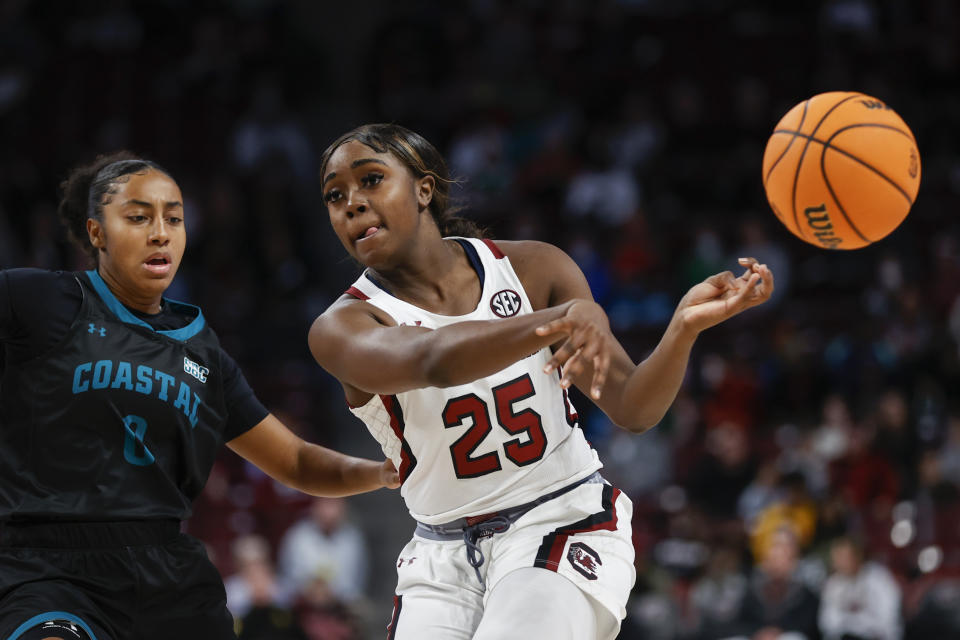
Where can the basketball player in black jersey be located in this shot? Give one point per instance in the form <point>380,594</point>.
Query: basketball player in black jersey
<point>113,404</point>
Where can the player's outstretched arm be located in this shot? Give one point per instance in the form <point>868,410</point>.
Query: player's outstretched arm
<point>635,397</point>
<point>364,348</point>
<point>310,468</point>
<point>652,386</point>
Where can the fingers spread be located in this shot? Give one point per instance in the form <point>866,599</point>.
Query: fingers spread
<point>561,356</point>
<point>572,369</point>
<point>601,363</point>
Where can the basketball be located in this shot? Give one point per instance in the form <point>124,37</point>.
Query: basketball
<point>841,170</point>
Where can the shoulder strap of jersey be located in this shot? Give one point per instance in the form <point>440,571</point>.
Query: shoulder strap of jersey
<point>480,243</point>
<point>494,249</point>
<point>363,288</point>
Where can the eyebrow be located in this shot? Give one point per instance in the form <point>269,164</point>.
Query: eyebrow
<point>353,165</point>
<point>144,203</point>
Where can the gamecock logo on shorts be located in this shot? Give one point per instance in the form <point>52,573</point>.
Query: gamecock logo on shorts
<point>505,303</point>
<point>584,559</point>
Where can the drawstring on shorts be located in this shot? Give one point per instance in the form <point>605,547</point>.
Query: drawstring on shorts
<point>473,533</point>
<point>473,529</point>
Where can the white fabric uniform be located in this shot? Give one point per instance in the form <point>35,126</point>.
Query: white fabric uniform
<point>475,449</point>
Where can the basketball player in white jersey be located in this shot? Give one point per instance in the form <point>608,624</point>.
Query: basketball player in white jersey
<point>457,353</point>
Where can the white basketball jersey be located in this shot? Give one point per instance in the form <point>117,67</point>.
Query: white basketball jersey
<point>498,442</point>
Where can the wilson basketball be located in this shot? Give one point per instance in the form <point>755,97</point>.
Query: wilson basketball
<point>841,170</point>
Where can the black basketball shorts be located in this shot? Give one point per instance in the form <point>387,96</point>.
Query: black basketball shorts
<point>115,580</point>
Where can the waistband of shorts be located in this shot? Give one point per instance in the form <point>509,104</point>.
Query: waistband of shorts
<point>454,530</point>
<point>87,535</point>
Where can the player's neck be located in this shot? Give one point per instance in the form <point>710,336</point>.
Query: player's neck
<point>436,276</point>
<point>129,296</point>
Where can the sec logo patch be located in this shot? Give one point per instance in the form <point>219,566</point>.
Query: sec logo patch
<point>505,303</point>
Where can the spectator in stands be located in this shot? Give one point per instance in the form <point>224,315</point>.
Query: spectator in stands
<point>255,582</point>
<point>937,503</point>
<point>863,475</point>
<point>717,597</point>
<point>949,453</point>
<point>778,605</point>
<point>323,616</point>
<point>762,492</point>
<point>325,544</point>
<point>896,436</point>
<point>725,471</point>
<point>795,511</point>
<point>934,614</point>
<point>861,599</point>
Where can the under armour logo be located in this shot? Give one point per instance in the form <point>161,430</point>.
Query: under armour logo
<point>94,329</point>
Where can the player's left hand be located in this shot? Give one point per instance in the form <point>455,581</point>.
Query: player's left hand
<point>588,343</point>
<point>723,295</point>
<point>389,475</point>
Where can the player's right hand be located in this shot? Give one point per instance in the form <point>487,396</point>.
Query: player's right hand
<point>589,344</point>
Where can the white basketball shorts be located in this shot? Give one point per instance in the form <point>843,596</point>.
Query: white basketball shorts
<point>583,535</point>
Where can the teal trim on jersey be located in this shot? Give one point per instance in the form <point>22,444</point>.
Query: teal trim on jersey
<point>125,315</point>
<point>47,617</point>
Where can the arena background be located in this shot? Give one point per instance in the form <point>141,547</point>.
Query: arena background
<point>628,132</point>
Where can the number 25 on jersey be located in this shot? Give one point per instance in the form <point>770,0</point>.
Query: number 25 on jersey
<point>526,422</point>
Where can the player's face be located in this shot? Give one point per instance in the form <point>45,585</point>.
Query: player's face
<point>143,235</point>
<point>374,202</point>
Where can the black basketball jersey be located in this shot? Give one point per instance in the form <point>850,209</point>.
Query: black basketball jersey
<point>119,421</point>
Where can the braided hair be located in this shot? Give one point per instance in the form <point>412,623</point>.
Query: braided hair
<point>89,187</point>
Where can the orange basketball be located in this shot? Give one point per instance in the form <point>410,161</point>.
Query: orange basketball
<point>841,170</point>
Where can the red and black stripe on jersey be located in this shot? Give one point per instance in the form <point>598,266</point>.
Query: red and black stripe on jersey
<point>408,461</point>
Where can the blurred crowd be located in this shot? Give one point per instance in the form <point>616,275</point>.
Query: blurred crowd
<point>807,479</point>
